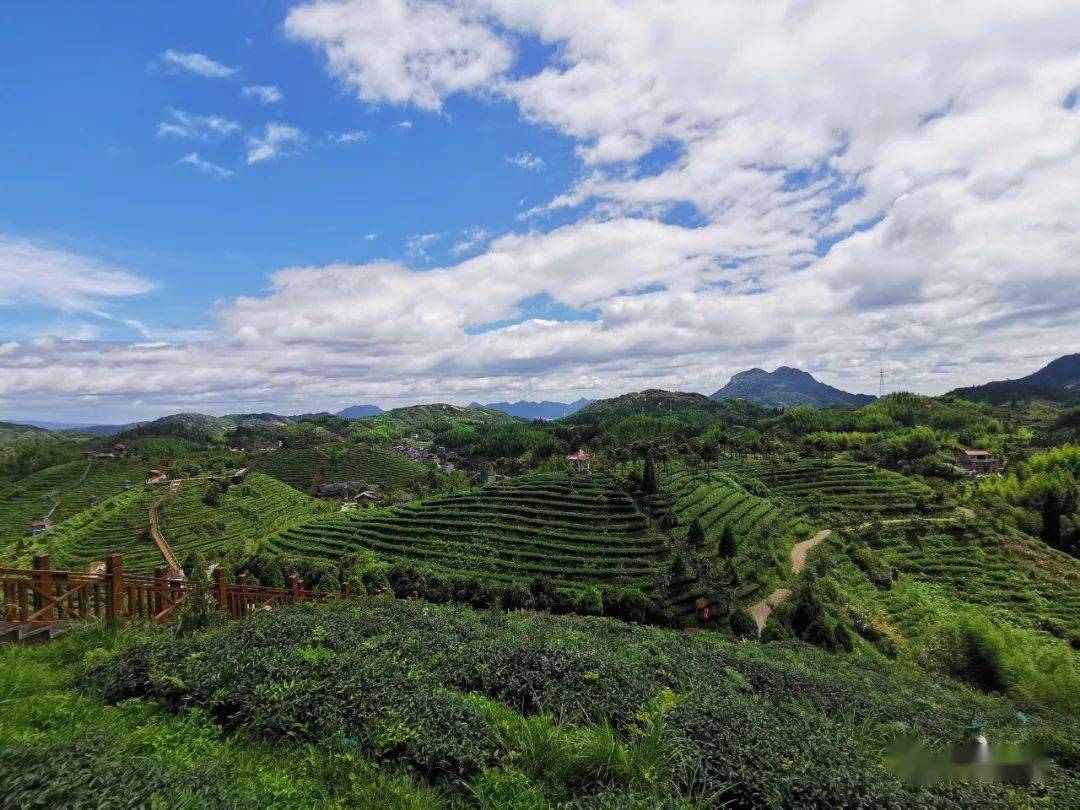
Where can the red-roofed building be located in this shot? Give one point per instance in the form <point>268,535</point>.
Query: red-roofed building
<point>42,524</point>
<point>979,462</point>
<point>580,460</point>
<point>119,447</point>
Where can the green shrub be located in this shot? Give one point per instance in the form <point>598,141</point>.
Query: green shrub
<point>743,624</point>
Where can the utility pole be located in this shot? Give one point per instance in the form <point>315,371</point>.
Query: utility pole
<point>881,383</point>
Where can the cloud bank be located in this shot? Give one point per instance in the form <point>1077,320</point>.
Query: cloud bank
<point>871,183</point>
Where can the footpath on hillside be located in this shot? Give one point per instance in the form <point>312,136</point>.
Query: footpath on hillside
<point>159,539</point>
<point>763,609</point>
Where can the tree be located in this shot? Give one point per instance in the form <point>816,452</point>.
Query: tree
<point>1051,519</point>
<point>649,483</point>
<point>729,546</point>
<point>695,536</point>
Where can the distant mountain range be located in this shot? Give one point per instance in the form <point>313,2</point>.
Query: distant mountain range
<point>536,410</point>
<point>1057,381</point>
<point>785,388</point>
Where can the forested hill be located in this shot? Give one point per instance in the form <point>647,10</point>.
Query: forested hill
<point>786,387</point>
<point>1058,381</point>
<point>655,402</point>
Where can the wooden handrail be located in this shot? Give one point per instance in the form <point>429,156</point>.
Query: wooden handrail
<point>41,595</point>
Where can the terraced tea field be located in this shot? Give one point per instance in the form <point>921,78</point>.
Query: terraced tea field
<point>73,484</point>
<point>764,532</point>
<point>976,566</point>
<point>245,515</point>
<point>577,530</point>
<point>810,488</point>
<point>305,467</point>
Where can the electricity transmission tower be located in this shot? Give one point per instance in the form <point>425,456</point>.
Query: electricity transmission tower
<point>881,383</point>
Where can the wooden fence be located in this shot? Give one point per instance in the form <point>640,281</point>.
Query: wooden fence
<point>42,596</point>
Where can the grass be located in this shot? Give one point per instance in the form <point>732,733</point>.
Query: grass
<point>495,710</point>
<point>62,747</point>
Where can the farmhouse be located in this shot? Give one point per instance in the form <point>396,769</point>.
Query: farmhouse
<point>39,526</point>
<point>580,460</point>
<point>979,462</point>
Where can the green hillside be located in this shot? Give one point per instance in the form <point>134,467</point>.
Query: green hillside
<point>657,403</point>
<point>813,488</point>
<point>763,531</point>
<point>245,514</point>
<point>304,468</point>
<point>576,530</point>
<point>388,703</point>
<point>68,487</point>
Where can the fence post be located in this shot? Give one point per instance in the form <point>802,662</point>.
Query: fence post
<point>43,575</point>
<point>241,580</point>
<point>161,589</point>
<point>346,590</point>
<point>294,589</point>
<point>114,587</point>
<point>221,589</point>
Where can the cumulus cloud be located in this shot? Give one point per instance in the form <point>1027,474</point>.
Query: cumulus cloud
<point>871,184</point>
<point>205,166</point>
<point>196,127</point>
<point>197,63</point>
<point>34,274</point>
<point>403,50</point>
<point>277,140</point>
<point>264,93</point>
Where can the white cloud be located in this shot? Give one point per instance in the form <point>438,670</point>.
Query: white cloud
<point>197,127</point>
<point>405,124</point>
<point>370,236</point>
<point>417,244</point>
<point>929,145</point>
<point>195,63</point>
<point>470,241</point>
<point>356,136</point>
<point>526,160</point>
<point>277,140</point>
<point>264,93</point>
<point>205,166</point>
<point>33,274</point>
<point>402,51</point>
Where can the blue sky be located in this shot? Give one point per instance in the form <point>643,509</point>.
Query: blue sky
<point>302,205</point>
<point>85,170</point>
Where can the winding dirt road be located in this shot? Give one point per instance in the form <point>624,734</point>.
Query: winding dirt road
<point>763,609</point>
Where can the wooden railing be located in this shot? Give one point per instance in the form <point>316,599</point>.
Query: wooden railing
<point>40,595</point>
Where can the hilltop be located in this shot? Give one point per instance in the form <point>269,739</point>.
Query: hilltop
<point>785,388</point>
<point>656,402</point>
<point>359,411</point>
<point>1058,381</point>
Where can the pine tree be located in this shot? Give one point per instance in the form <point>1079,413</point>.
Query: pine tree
<point>728,546</point>
<point>648,477</point>
<point>695,536</point>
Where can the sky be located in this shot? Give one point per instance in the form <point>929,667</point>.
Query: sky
<point>297,206</point>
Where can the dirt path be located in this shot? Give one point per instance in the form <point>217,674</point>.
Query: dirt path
<point>763,609</point>
<point>160,542</point>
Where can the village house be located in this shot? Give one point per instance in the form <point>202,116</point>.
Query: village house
<point>979,462</point>
<point>580,460</point>
<point>41,525</point>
